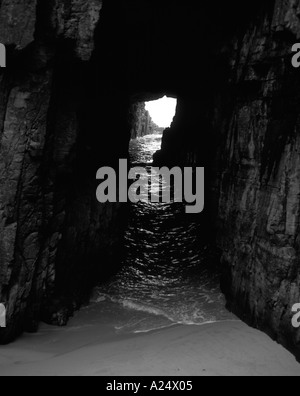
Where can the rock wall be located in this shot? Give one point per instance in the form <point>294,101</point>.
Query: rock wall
<point>248,140</point>
<point>51,229</point>
<point>141,121</point>
<point>259,189</point>
<point>74,69</point>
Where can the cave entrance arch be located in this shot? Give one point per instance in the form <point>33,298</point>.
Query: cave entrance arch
<point>161,270</point>
<point>126,67</point>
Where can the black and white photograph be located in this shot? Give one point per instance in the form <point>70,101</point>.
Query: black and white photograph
<point>149,191</point>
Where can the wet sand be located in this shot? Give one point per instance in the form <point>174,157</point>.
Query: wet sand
<point>87,347</point>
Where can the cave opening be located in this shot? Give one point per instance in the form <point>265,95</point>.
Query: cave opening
<point>112,243</point>
<point>162,111</point>
<point>87,127</point>
<point>170,269</point>
<point>148,122</point>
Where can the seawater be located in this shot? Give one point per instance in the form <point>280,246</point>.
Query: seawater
<point>170,274</point>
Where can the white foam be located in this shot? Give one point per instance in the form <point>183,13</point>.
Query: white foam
<point>144,308</point>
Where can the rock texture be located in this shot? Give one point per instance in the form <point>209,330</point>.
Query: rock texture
<point>47,214</point>
<point>141,121</point>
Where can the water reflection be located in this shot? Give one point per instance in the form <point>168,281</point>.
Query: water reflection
<point>169,273</point>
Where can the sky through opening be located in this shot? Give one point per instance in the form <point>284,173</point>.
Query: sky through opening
<point>162,111</point>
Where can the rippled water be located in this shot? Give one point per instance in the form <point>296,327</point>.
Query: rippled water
<point>141,150</point>
<point>169,274</point>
